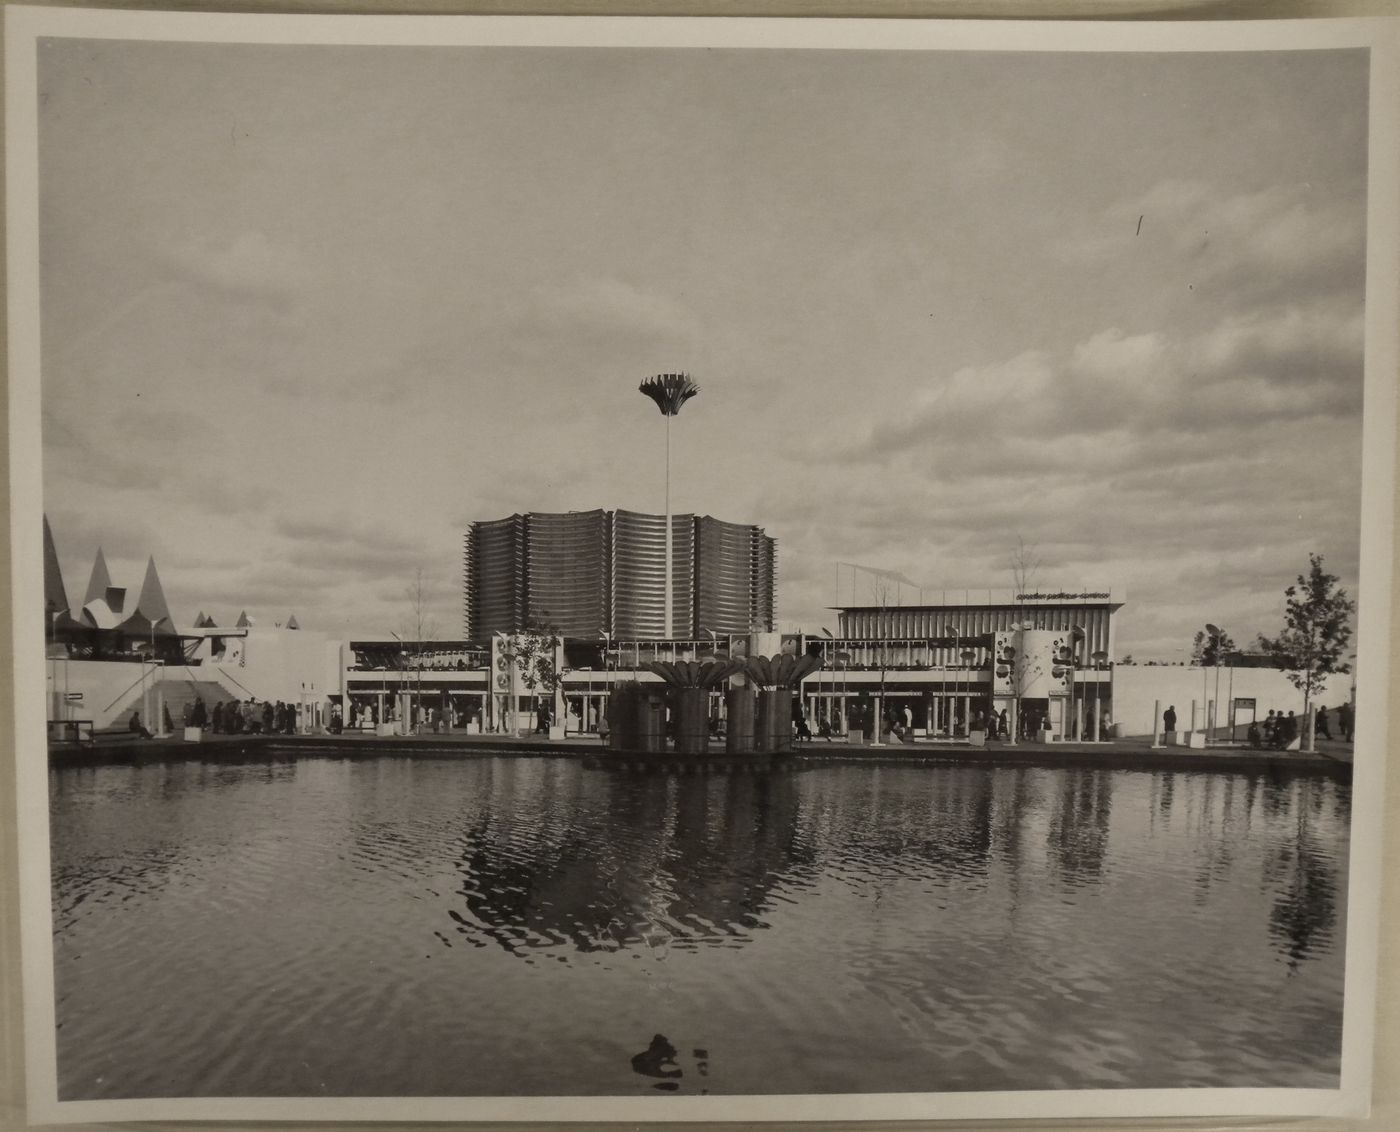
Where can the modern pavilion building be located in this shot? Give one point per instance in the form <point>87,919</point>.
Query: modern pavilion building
<point>595,575</point>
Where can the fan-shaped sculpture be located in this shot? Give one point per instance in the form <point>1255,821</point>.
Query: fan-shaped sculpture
<point>670,391</point>
<point>776,677</point>
<point>694,673</point>
<point>784,671</point>
<point>689,684</point>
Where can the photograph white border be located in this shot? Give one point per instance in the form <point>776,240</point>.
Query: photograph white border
<point>25,25</point>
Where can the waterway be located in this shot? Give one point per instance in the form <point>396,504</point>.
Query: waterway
<point>384,926</point>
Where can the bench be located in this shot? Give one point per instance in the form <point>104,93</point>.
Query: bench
<point>70,731</point>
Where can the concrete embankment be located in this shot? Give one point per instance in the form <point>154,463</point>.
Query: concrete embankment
<point>1333,761</point>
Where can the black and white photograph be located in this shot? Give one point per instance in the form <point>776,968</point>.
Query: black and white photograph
<point>699,569</point>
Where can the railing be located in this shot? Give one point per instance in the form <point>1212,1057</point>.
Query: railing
<point>127,690</point>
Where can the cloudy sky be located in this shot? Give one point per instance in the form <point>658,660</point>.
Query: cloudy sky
<point>309,311</point>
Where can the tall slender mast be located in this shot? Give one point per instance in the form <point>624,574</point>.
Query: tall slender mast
<point>670,391</point>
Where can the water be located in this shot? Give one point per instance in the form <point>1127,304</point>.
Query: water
<point>534,926</point>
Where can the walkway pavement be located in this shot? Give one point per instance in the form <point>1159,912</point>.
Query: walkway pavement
<point>1332,757</point>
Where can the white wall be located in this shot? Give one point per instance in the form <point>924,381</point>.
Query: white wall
<point>275,663</point>
<point>106,687</point>
<point>1135,687</point>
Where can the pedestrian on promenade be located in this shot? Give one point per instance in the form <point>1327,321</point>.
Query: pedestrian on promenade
<point>1270,727</point>
<point>135,726</point>
<point>603,730</point>
<point>1321,729</point>
<point>268,714</point>
<point>218,717</point>
<point>1169,718</point>
<point>1003,725</point>
<point>187,716</point>
<point>1256,740</point>
<point>803,730</point>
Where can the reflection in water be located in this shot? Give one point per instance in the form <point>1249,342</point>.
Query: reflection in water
<point>660,866</point>
<point>537,927</point>
<point>1304,911</point>
<point>1079,829</point>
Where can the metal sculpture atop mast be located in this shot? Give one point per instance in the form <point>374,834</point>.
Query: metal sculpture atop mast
<point>670,391</point>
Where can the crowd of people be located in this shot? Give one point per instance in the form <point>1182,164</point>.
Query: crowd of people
<point>1278,731</point>
<point>246,717</point>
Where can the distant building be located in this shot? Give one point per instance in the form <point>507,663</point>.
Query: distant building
<point>593,574</point>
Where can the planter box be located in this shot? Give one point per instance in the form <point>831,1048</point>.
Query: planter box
<point>556,732</point>
<point>384,730</point>
<point>977,738</point>
<point>193,734</point>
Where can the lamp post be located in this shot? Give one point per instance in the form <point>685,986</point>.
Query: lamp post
<point>1097,658</point>
<point>670,391</point>
<point>155,720</point>
<point>1214,631</point>
<point>1076,638</point>
<point>843,659</point>
<point>956,634</point>
<point>607,678</point>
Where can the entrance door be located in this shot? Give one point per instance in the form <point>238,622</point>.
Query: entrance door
<point>1242,714</point>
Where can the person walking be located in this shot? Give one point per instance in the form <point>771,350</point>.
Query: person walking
<point>1169,718</point>
<point>1321,728</point>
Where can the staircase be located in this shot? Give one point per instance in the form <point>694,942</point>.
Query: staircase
<point>177,695</point>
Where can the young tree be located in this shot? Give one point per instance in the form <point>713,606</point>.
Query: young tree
<point>418,631</point>
<point>1317,629</point>
<point>882,592</point>
<point>1209,649</point>
<point>533,650</point>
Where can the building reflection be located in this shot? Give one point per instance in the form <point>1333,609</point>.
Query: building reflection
<point>1078,838</point>
<point>1303,919</point>
<point>649,861</point>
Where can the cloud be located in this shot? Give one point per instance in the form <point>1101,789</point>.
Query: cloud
<point>1106,398</point>
<point>247,264</point>
<point>1298,240</point>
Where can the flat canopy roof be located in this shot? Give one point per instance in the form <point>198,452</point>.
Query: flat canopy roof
<point>1038,598</point>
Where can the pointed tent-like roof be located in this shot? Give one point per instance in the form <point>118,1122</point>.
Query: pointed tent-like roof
<point>292,621</point>
<point>152,614</point>
<point>199,620</point>
<point>100,581</point>
<point>243,620</point>
<point>55,595</point>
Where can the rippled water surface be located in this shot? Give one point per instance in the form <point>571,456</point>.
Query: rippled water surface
<point>535,926</point>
